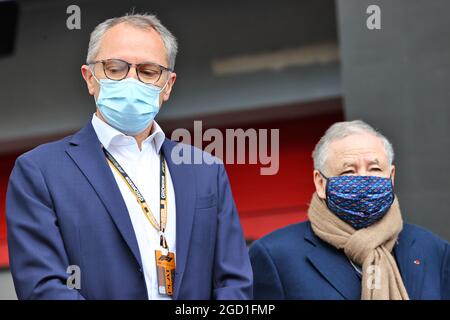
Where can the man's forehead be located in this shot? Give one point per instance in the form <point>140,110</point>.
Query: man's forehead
<point>127,42</point>
<point>127,29</point>
<point>365,147</point>
<point>350,161</point>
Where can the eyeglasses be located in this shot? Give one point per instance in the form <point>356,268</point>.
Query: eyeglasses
<point>147,72</point>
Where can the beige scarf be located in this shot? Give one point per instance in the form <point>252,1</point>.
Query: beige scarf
<point>369,247</point>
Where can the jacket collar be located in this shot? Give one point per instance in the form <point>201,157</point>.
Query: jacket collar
<point>411,262</point>
<point>85,150</point>
<point>110,136</point>
<point>183,180</point>
<point>335,267</point>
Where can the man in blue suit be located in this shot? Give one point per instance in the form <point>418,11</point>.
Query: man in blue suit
<point>355,245</point>
<point>114,211</point>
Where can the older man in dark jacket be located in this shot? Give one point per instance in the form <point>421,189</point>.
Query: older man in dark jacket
<point>355,245</point>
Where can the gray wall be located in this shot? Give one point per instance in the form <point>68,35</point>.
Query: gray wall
<point>44,93</point>
<point>7,291</point>
<point>398,79</point>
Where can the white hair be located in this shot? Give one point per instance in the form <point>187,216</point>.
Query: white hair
<point>340,130</point>
<point>142,21</point>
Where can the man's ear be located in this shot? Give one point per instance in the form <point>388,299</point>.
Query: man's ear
<point>320,183</point>
<point>393,174</point>
<point>91,83</point>
<point>165,94</point>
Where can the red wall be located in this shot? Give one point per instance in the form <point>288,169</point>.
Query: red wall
<point>265,203</point>
<point>7,163</point>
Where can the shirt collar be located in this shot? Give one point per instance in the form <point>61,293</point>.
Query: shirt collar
<point>110,136</point>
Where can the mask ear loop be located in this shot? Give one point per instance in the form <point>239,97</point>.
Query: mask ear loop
<point>167,81</point>
<point>392,182</point>
<point>326,178</point>
<point>326,186</point>
<point>392,187</point>
<point>93,74</point>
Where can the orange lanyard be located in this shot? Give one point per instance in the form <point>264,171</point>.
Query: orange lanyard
<point>161,227</point>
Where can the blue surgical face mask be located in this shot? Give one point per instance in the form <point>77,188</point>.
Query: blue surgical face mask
<point>128,105</point>
<point>359,200</point>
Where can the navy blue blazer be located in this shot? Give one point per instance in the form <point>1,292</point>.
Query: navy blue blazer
<point>293,263</point>
<point>64,208</point>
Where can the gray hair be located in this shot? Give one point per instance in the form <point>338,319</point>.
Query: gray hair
<point>340,130</point>
<point>142,21</point>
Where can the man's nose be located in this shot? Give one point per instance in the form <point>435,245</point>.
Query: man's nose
<point>362,172</point>
<point>132,73</point>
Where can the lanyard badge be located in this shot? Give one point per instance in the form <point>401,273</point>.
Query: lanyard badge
<point>165,260</point>
<point>165,266</point>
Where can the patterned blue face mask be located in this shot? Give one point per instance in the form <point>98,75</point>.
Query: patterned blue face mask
<point>128,105</point>
<point>359,200</point>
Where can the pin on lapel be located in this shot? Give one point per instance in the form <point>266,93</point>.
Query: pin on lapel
<point>417,262</point>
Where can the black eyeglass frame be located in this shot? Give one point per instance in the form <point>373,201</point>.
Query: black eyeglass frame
<point>135,65</point>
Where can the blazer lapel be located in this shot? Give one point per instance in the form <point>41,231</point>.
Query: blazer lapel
<point>86,151</point>
<point>411,263</point>
<point>183,181</point>
<point>334,266</point>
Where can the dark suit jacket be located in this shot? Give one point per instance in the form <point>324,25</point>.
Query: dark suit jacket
<point>64,208</point>
<point>293,263</point>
